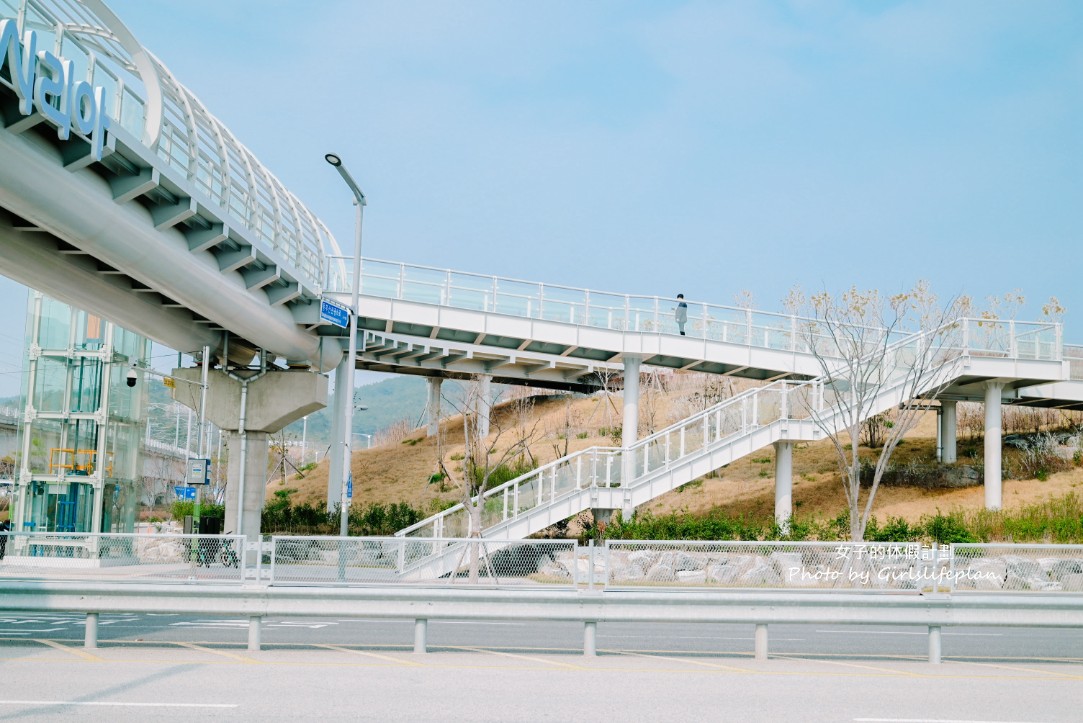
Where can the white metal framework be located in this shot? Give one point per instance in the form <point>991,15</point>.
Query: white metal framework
<point>153,106</point>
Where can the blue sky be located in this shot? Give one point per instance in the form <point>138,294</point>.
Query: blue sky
<point>660,147</point>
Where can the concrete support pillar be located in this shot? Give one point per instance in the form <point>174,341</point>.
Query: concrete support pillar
<point>421,628</point>
<point>993,484</point>
<point>948,432</point>
<point>248,406</point>
<point>783,484</point>
<point>255,482</point>
<point>630,428</point>
<point>590,638</point>
<point>336,458</point>
<point>254,633</point>
<point>485,404</point>
<point>761,641</point>
<point>934,644</point>
<point>90,636</point>
<point>432,409</point>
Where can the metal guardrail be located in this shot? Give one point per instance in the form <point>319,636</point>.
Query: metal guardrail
<point>759,583</point>
<point>588,608</point>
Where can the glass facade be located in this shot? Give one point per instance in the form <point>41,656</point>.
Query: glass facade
<point>80,454</point>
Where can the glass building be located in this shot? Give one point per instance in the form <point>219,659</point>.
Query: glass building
<point>79,462</point>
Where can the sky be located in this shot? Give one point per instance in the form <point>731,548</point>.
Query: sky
<point>656,147</point>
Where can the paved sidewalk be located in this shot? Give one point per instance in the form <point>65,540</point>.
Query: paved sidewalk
<point>46,680</point>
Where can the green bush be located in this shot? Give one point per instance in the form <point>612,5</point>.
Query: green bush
<point>946,529</point>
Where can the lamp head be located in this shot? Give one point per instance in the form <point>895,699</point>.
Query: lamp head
<point>333,159</point>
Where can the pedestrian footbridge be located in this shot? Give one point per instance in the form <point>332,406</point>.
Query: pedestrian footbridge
<point>120,192</point>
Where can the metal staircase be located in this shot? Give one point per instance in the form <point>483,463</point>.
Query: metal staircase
<point>624,478</point>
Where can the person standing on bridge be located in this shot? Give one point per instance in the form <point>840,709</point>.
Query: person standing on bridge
<point>680,315</point>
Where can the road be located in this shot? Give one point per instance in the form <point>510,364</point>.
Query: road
<point>55,679</point>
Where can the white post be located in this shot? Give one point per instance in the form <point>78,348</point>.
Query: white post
<point>590,637</point>
<point>761,641</point>
<point>348,364</point>
<point>433,408</point>
<point>421,626</point>
<point>783,484</point>
<point>335,477</point>
<point>948,431</point>
<point>485,404</point>
<point>304,441</point>
<point>90,637</point>
<point>254,633</point>
<point>993,484</point>
<point>630,429</point>
<point>934,644</point>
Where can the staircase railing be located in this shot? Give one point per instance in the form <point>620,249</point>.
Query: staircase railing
<point>732,418</point>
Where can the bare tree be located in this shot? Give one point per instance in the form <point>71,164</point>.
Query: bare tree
<point>487,459</point>
<point>871,365</point>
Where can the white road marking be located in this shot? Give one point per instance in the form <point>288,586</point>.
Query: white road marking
<point>118,703</point>
<point>931,720</point>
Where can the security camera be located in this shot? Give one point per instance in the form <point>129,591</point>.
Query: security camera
<point>132,377</point>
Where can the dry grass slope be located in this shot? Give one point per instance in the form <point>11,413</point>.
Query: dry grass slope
<point>400,471</point>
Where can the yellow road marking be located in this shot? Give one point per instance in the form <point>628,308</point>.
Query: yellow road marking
<point>78,652</point>
<point>690,661</point>
<point>367,654</point>
<point>223,653</point>
<point>1026,670</point>
<point>570,666</point>
<point>853,665</point>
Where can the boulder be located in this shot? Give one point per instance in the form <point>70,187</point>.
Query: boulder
<point>692,577</point>
<point>722,574</point>
<point>761,574</point>
<point>661,573</point>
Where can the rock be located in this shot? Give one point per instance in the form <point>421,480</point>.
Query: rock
<point>761,574</point>
<point>982,574</point>
<point>630,573</point>
<point>1072,583</point>
<point>554,569</point>
<point>643,558</point>
<point>692,577</point>
<point>722,574</point>
<point>1062,568</point>
<point>682,561</point>
<point>661,573</point>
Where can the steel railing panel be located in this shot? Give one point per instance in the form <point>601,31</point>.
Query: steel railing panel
<point>1017,568</point>
<point>128,558</point>
<point>355,561</point>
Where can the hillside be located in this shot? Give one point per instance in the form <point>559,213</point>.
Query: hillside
<point>399,471</point>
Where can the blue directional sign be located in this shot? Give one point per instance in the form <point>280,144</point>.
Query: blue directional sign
<point>349,487</point>
<point>334,313</point>
<point>185,493</point>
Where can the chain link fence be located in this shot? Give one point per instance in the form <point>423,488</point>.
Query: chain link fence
<point>423,561</point>
<point>1017,568</point>
<point>773,565</point>
<point>122,557</point>
<point>546,564</point>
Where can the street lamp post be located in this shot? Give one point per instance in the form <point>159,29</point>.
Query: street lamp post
<point>347,421</point>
